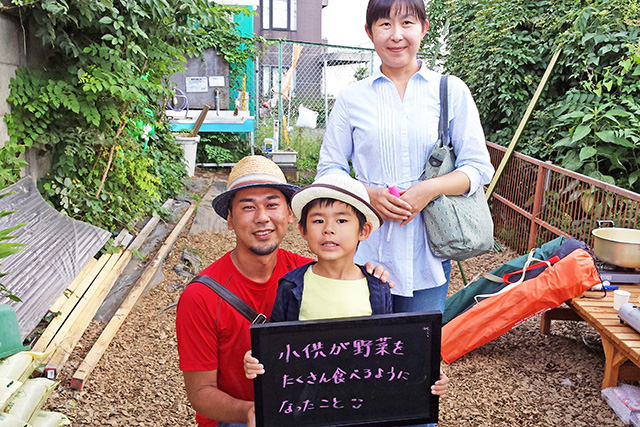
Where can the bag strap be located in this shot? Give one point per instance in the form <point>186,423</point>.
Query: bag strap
<point>443,123</point>
<point>234,301</point>
<point>437,154</point>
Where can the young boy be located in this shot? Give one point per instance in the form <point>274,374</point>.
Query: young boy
<point>334,217</point>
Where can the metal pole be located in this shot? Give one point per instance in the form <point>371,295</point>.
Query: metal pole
<point>326,99</point>
<point>280,107</point>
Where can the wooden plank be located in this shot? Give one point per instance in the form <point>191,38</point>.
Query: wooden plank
<point>199,120</point>
<point>627,336</point>
<point>84,311</point>
<point>613,359</point>
<point>66,309</point>
<point>558,313</point>
<point>109,332</point>
<point>73,286</point>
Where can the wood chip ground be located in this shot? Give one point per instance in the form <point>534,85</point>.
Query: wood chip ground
<point>522,378</point>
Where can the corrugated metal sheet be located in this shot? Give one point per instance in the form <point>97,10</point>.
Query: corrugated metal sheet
<point>58,247</point>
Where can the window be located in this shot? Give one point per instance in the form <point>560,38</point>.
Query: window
<point>266,14</point>
<point>271,80</point>
<point>279,15</point>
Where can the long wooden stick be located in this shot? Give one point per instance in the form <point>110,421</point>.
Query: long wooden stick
<point>65,309</point>
<point>199,121</point>
<point>109,332</point>
<point>65,304</point>
<point>74,286</point>
<point>523,122</point>
<point>84,311</point>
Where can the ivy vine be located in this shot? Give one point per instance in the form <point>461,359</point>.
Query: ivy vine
<point>96,99</point>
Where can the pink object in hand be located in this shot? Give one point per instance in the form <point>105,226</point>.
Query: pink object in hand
<point>394,190</point>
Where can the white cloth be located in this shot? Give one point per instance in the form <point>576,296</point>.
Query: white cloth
<point>387,139</point>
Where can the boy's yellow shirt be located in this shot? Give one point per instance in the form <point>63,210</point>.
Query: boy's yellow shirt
<point>324,298</point>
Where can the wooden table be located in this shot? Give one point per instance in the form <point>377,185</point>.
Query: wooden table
<point>620,342</point>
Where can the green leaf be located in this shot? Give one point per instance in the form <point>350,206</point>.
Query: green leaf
<point>580,132</point>
<point>587,153</point>
<point>606,136</point>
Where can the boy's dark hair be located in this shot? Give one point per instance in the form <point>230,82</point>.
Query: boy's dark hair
<point>324,202</point>
<point>378,9</point>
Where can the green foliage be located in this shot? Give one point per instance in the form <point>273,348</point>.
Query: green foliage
<point>103,78</point>
<point>306,142</point>
<point>587,117</point>
<point>362,73</point>
<point>6,249</point>
<point>222,148</point>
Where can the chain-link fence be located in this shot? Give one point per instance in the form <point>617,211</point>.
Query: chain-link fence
<point>297,84</point>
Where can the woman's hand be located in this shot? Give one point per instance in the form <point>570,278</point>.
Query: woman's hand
<point>390,207</point>
<point>420,194</point>
<point>252,366</point>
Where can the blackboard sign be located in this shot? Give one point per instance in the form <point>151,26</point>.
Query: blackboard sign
<point>374,371</point>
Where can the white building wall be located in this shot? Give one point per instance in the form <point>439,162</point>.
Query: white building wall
<point>11,57</point>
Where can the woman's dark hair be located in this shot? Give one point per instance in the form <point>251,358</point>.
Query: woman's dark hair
<point>378,9</point>
<point>323,202</point>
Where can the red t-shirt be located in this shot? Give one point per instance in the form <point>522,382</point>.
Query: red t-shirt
<point>213,335</point>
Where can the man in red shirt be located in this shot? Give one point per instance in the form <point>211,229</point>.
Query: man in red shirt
<point>212,336</point>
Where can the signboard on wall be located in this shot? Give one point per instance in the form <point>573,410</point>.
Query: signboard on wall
<point>374,371</point>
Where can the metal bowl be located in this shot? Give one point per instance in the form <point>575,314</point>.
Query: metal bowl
<point>617,246</point>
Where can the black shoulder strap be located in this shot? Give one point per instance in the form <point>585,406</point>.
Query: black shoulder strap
<point>243,308</point>
<point>443,124</point>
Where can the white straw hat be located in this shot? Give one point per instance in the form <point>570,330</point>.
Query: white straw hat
<point>252,171</point>
<point>339,187</point>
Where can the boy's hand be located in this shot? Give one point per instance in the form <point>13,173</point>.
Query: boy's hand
<point>441,386</point>
<point>379,272</point>
<point>252,366</point>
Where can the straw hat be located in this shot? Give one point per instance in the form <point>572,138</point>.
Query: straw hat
<point>338,187</point>
<point>252,171</point>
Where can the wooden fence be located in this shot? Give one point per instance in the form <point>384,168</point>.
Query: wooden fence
<point>534,202</point>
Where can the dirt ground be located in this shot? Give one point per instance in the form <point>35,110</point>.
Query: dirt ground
<point>522,378</point>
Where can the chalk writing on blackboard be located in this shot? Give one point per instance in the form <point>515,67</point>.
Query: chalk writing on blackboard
<point>362,348</point>
<point>374,371</point>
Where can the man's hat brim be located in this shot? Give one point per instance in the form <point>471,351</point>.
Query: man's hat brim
<point>221,202</point>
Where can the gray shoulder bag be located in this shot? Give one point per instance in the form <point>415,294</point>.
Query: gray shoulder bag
<point>458,227</point>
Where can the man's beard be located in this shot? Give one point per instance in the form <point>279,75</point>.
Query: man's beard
<point>263,250</point>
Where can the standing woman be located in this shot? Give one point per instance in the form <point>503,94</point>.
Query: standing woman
<point>386,125</point>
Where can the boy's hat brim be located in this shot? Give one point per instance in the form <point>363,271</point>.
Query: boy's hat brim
<point>252,171</point>
<point>338,187</point>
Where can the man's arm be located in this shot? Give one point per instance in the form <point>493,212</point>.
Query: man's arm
<point>208,400</point>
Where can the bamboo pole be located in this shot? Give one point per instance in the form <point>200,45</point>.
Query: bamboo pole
<point>109,332</point>
<point>523,122</point>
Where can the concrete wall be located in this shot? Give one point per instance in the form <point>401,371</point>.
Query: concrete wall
<point>12,56</point>
<point>213,70</point>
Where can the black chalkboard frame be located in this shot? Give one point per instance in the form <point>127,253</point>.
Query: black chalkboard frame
<point>417,406</point>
